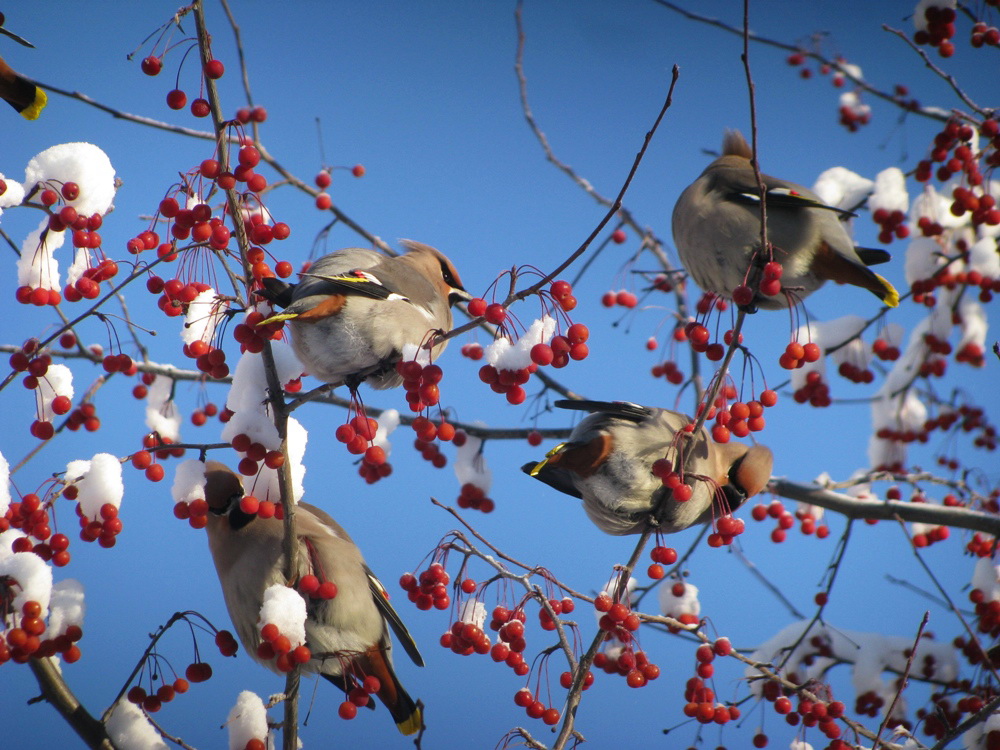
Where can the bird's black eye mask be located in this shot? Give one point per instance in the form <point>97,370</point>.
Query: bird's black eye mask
<point>237,517</point>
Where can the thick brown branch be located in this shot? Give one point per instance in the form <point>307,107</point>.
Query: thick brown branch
<point>57,693</point>
<point>938,515</point>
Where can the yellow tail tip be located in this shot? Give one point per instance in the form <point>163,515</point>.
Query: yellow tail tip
<point>891,298</point>
<point>541,464</point>
<point>412,723</point>
<point>34,109</point>
<point>277,318</point>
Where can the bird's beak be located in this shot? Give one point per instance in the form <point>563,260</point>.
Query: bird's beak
<point>458,295</point>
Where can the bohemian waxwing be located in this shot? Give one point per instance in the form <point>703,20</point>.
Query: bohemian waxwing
<point>716,225</point>
<point>356,309</point>
<point>607,462</point>
<point>349,632</point>
<point>20,93</point>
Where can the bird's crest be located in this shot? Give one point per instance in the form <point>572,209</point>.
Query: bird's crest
<point>734,144</point>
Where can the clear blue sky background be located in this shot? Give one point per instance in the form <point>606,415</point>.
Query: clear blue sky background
<point>424,95</point>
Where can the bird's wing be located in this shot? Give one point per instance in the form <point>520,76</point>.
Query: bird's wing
<point>381,597</point>
<point>553,476</point>
<point>621,409</point>
<point>872,256</point>
<point>355,282</point>
<point>277,292</point>
<point>741,187</point>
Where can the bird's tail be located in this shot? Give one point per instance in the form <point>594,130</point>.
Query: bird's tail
<point>829,264</point>
<point>20,93</point>
<point>405,712</point>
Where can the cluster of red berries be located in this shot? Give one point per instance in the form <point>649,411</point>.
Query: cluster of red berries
<point>807,523</point>
<point>885,351</point>
<point>88,286</point>
<point>660,556</point>
<point>892,223</point>
<point>702,706</point>
<point>357,435</point>
<point>420,382</point>
<point>769,286</point>
<point>699,338</point>
<point>953,152</point>
<point>430,589</point>
<point>814,391</point>
<point>312,587</point>
<point>739,418</point>
<point>23,641</point>
<point>358,696</point>
<point>165,693</point>
<point>473,351</point>
<point>430,452</point>
<point>535,709</point>
<point>472,496</point>
<point>797,355</point>
<point>154,445</point>
<point>622,297</point>
<point>838,79</point>
<point>634,666</point>
<point>253,506</point>
<point>175,295</point>
<point>937,720</point>
<point>85,235</point>
<point>984,35</point>
<point>200,417</point>
<point>558,353</point>
<point>667,369</point>
<point>982,208</point>
<point>509,648</point>
<point>275,645</point>
<point>923,288</point>
<point>251,335</point>
<point>786,520</point>
<point>103,530</point>
<point>208,359</point>
<point>465,638</point>
<point>31,516</point>
<point>855,373</point>
<point>253,454</point>
<point>940,29</point>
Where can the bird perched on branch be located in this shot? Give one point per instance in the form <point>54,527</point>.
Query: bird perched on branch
<point>355,310</point>
<point>608,463</point>
<point>348,635</point>
<point>716,226</point>
<point>20,93</point>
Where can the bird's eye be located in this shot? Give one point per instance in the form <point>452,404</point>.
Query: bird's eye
<point>449,277</point>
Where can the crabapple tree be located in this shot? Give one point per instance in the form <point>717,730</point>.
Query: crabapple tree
<point>853,603</point>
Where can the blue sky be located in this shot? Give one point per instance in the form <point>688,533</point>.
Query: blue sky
<point>424,95</point>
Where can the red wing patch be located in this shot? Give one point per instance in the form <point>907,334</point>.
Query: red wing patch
<point>330,306</point>
<point>584,459</point>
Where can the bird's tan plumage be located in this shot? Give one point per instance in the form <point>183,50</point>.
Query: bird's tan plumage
<point>348,635</point>
<point>356,309</point>
<point>716,227</point>
<point>607,462</point>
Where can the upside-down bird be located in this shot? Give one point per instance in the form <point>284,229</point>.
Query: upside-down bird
<point>608,459</point>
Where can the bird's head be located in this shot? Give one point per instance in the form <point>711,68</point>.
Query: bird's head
<point>435,265</point>
<point>223,492</point>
